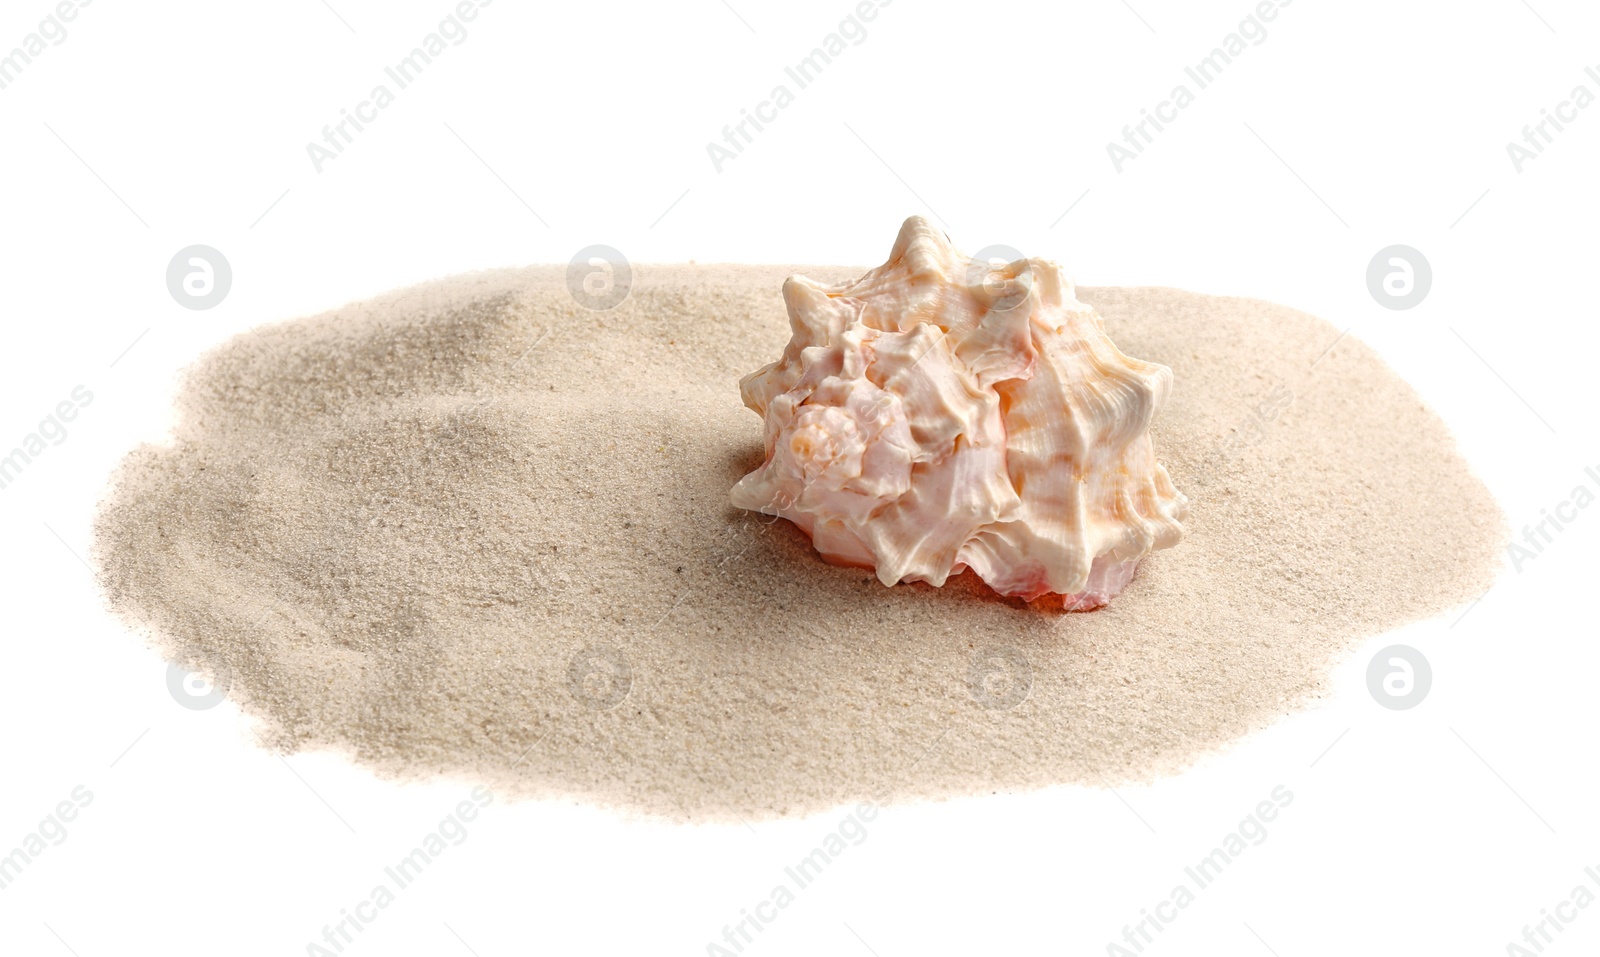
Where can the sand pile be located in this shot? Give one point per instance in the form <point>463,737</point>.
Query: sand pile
<point>474,528</point>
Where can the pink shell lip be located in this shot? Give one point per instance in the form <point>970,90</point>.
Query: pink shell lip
<point>1107,579</point>
<point>1108,576</point>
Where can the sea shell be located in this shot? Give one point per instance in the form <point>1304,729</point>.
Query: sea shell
<point>943,413</point>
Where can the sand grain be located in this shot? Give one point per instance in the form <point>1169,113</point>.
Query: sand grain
<point>396,526</point>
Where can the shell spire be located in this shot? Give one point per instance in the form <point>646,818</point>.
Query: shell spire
<point>943,413</point>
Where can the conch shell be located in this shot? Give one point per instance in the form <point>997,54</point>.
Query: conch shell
<point>943,413</point>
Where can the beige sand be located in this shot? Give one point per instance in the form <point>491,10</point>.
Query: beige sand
<point>395,527</point>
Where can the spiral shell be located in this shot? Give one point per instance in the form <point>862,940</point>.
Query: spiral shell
<point>943,413</point>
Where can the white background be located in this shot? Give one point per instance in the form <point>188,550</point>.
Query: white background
<point>153,126</point>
